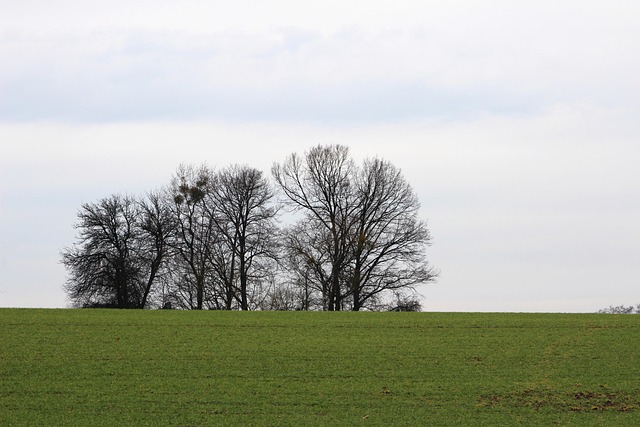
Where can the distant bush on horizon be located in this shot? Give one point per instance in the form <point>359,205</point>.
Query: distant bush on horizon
<point>620,309</point>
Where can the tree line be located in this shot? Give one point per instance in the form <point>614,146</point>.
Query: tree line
<point>211,239</point>
<point>620,309</point>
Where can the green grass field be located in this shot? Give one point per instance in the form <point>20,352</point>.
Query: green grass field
<point>107,367</point>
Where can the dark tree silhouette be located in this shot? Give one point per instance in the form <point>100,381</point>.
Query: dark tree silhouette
<point>244,218</point>
<point>194,239</point>
<point>360,235</point>
<point>159,228</point>
<point>226,238</point>
<point>388,239</point>
<point>319,185</point>
<point>120,248</point>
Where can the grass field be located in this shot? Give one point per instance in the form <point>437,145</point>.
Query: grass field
<point>106,367</point>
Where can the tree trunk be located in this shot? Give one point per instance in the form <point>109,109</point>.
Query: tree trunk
<point>199,293</point>
<point>355,288</point>
<point>334,300</point>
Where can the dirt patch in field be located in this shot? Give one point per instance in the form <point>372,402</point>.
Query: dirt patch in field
<point>578,400</point>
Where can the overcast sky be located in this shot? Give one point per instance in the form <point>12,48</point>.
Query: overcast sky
<point>517,123</point>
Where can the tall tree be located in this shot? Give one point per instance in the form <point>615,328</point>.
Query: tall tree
<point>319,185</point>
<point>158,226</point>
<point>244,217</point>
<point>195,237</point>
<point>360,236</point>
<point>388,238</point>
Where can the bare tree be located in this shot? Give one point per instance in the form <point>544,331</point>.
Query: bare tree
<point>388,240</point>
<point>360,235</point>
<point>244,218</point>
<point>195,237</point>
<point>319,185</point>
<point>159,228</point>
<point>119,251</point>
<point>226,238</point>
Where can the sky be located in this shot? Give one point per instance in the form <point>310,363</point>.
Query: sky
<point>515,122</point>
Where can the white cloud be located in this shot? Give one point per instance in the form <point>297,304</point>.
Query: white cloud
<point>367,63</point>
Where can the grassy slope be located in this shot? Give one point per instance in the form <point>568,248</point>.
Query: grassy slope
<point>104,367</point>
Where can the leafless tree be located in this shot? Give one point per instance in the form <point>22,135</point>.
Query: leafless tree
<point>244,217</point>
<point>319,185</point>
<point>158,225</point>
<point>121,247</point>
<point>388,240</point>
<point>195,237</point>
<point>360,235</point>
<point>226,237</point>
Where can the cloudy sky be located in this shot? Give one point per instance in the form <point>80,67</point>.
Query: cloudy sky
<point>517,123</point>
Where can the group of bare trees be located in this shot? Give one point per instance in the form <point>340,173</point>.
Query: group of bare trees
<point>621,309</point>
<point>213,240</point>
<point>207,240</point>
